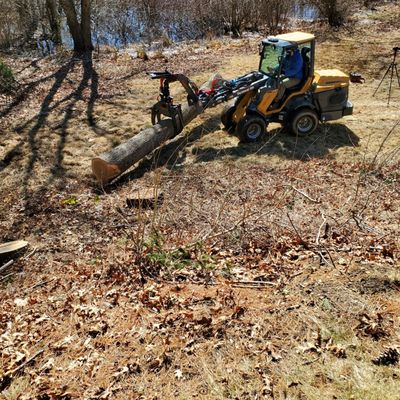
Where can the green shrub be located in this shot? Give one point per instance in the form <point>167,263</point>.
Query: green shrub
<point>7,81</point>
<point>191,256</point>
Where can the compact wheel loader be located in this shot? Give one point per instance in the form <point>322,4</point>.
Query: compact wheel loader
<point>321,95</point>
<point>257,100</point>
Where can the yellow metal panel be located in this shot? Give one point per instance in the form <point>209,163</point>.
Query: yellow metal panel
<point>328,79</point>
<point>324,88</point>
<point>333,73</point>
<point>241,107</point>
<point>297,37</point>
<point>266,101</point>
<point>300,92</point>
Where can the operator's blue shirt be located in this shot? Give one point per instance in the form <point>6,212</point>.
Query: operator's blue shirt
<point>293,65</point>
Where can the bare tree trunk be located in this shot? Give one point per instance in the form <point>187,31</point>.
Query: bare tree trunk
<point>109,165</point>
<point>336,11</point>
<point>28,19</point>
<point>80,32</point>
<point>54,21</point>
<point>85,25</point>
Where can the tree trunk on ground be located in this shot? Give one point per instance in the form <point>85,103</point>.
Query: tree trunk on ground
<point>80,32</point>
<point>109,165</point>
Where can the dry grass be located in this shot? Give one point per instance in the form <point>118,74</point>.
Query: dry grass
<point>141,303</point>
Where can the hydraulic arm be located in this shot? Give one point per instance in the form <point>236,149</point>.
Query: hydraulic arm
<point>222,91</point>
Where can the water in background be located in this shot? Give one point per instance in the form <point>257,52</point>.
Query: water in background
<point>137,32</point>
<point>305,12</point>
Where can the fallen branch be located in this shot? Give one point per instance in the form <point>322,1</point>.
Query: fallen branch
<point>319,230</point>
<point>24,364</point>
<point>296,274</point>
<point>305,195</point>
<point>311,361</point>
<point>6,379</point>
<point>40,284</point>
<point>252,284</point>
<point>30,253</point>
<point>3,278</point>
<point>303,242</point>
<point>235,284</point>
<point>6,265</point>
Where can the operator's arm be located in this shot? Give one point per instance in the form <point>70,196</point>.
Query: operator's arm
<point>295,66</point>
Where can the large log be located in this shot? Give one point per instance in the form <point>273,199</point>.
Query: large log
<point>110,165</point>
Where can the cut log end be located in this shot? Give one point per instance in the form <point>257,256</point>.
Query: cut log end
<point>104,171</point>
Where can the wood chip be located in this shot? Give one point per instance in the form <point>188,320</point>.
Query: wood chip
<point>145,198</point>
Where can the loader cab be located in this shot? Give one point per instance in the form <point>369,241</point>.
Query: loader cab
<point>272,51</point>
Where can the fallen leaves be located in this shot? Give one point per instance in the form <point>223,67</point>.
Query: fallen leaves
<point>123,317</point>
<point>374,326</point>
<point>21,302</point>
<point>178,374</point>
<point>388,357</point>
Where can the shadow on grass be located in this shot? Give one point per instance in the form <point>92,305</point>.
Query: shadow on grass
<point>375,284</point>
<point>30,129</point>
<point>39,119</point>
<point>328,137</point>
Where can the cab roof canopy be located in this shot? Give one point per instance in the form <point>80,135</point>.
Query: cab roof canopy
<point>296,37</point>
<point>292,39</point>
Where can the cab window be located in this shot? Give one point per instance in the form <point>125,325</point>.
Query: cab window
<point>270,58</point>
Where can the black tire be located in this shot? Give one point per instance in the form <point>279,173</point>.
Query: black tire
<point>303,122</point>
<point>251,128</point>
<point>226,118</point>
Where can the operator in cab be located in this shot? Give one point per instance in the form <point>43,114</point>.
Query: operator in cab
<point>292,71</point>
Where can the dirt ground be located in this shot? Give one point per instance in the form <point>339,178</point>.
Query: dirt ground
<point>267,270</point>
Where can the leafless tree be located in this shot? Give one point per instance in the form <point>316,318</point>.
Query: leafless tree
<point>234,14</point>
<point>273,14</point>
<point>28,17</point>
<point>335,11</point>
<point>29,22</point>
<point>54,19</point>
<point>8,29</point>
<point>80,30</point>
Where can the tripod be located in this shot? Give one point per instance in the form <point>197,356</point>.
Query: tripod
<point>392,69</point>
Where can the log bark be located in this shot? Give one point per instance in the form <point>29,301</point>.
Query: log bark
<point>110,165</point>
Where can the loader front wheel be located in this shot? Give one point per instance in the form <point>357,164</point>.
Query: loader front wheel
<point>251,128</point>
<point>304,122</point>
<point>227,118</point>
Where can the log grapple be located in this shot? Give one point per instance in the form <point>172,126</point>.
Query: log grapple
<point>165,105</point>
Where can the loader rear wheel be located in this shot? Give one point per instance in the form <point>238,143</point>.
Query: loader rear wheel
<point>251,128</point>
<point>304,122</point>
<point>227,118</point>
